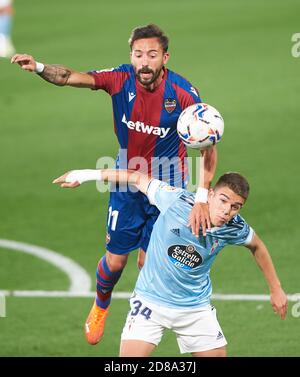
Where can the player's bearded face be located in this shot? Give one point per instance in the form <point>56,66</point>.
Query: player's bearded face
<point>148,59</point>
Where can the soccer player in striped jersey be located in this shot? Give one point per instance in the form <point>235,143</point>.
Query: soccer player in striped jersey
<point>147,100</point>
<point>174,287</point>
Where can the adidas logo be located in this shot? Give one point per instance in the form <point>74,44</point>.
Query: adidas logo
<point>176,232</point>
<point>220,335</point>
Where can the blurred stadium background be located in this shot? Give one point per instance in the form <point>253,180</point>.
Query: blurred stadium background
<point>238,53</point>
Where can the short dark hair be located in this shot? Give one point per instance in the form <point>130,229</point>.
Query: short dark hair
<point>236,182</point>
<point>149,31</point>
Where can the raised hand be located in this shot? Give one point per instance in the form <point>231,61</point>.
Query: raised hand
<point>26,62</point>
<point>65,182</point>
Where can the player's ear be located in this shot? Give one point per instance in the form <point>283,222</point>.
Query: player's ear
<point>211,194</point>
<point>166,57</point>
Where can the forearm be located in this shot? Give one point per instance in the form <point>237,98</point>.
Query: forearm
<point>76,177</point>
<point>139,180</point>
<point>264,261</point>
<point>56,74</point>
<point>208,166</point>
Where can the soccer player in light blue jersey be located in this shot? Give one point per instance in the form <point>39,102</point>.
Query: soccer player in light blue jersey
<point>173,288</point>
<point>6,15</point>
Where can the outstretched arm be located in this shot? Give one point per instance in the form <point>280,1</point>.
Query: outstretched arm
<point>54,73</point>
<point>199,215</point>
<point>75,178</point>
<point>263,259</point>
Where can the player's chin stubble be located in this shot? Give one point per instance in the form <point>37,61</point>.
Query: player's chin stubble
<point>148,82</point>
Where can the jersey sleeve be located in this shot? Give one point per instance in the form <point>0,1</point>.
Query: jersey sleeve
<point>111,80</point>
<point>242,234</point>
<point>186,93</point>
<point>189,97</point>
<point>162,195</point>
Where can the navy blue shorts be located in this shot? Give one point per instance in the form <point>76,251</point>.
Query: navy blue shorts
<point>129,222</point>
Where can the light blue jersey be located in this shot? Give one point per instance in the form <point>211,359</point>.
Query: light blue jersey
<point>176,271</point>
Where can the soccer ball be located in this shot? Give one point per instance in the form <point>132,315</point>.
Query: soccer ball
<point>200,126</point>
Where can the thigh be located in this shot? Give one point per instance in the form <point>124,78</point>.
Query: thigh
<point>216,352</point>
<point>136,348</point>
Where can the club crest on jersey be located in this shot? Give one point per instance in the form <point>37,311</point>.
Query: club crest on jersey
<point>170,105</point>
<point>214,246</point>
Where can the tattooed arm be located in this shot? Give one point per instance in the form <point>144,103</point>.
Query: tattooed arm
<point>54,73</point>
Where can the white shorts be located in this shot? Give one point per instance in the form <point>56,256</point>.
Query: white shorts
<point>196,330</point>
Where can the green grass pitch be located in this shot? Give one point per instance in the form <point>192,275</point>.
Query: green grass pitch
<point>238,53</point>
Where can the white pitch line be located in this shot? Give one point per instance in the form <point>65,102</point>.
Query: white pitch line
<point>127,295</point>
<point>80,280</point>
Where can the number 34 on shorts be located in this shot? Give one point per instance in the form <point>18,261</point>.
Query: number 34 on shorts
<point>139,309</point>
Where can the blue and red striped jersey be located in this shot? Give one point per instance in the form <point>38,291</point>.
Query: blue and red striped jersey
<point>145,121</point>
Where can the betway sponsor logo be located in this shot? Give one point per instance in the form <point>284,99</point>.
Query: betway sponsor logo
<point>145,129</point>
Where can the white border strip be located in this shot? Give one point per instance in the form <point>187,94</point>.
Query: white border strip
<point>127,295</point>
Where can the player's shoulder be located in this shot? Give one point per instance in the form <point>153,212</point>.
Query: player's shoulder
<point>236,229</point>
<point>122,68</point>
<point>128,68</point>
<point>187,197</point>
<point>183,197</point>
<point>239,232</point>
<point>181,82</point>
<point>237,222</point>
<point>166,187</point>
<point>163,195</point>
<point>233,229</point>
